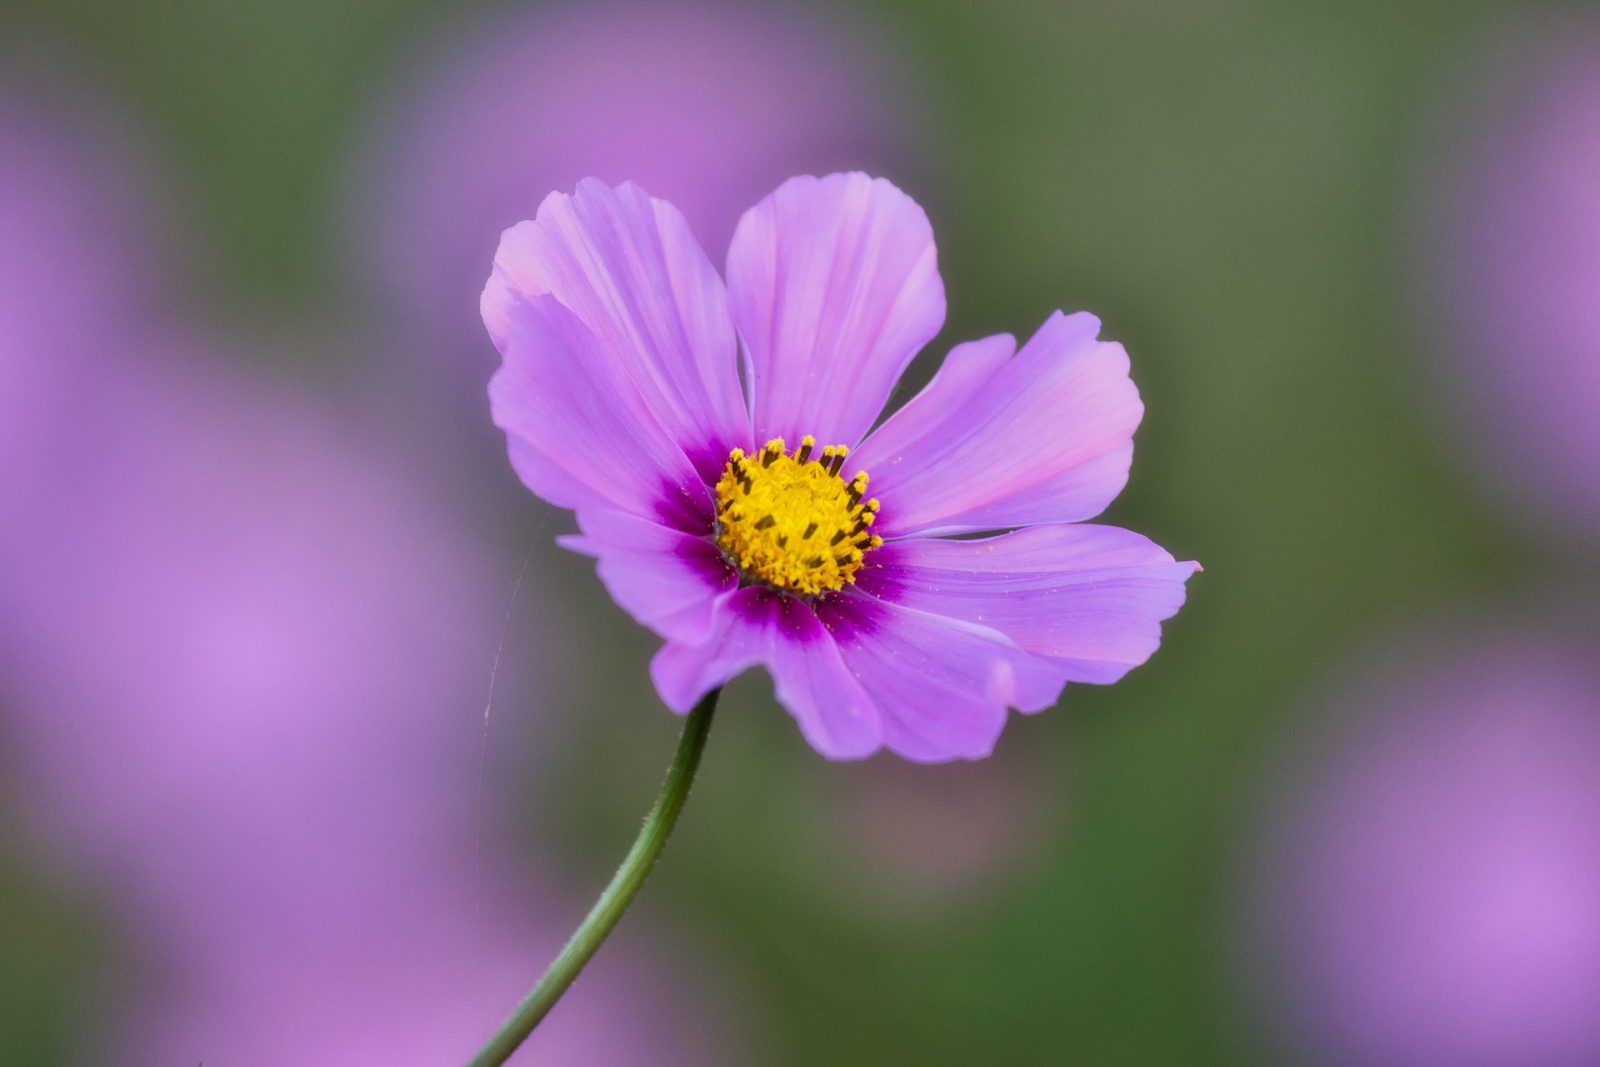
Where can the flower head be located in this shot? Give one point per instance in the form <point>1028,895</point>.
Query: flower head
<point>736,520</point>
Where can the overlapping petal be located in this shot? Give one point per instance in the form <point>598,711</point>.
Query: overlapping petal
<point>967,368</point>
<point>581,434</point>
<point>942,686</point>
<point>756,626</point>
<point>835,287</point>
<point>1091,597</point>
<point>628,267</point>
<point>666,579</point>
<point>1047,437</point>
<point>858,673</point>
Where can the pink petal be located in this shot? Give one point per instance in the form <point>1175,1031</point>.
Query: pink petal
<point>630,270</point>
<point>1047,438</point>
<point>1091,597</point>
<point>666,579</point>
<point>857,673</point>
<point>580,433</point>
<point>941,685</point>
<point>834,287</point>
<point>964,371</point>
<point>758,627</point>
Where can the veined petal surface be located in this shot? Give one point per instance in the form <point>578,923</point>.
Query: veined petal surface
<point>859,674</point>
<point>942,686</point>
<point>1091,597</point>
<point>758,627</point>
<point>628,267</point>
<point>964,371</point>
<point>666,579</point>
<point>1047,438</point>
<point>835,287</point>
<point>581,435</point>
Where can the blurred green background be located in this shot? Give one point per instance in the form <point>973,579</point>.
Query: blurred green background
<point>1234,188</point>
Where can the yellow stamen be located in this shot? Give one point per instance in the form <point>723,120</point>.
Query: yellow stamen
<point>793,522</point>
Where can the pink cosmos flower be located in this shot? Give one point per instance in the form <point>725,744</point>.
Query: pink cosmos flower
<point>738,524</point>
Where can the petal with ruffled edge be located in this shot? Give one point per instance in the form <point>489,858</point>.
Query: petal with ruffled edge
<point>580,433</point>
<point>942,686</point>
<point>1048,437</point>
<point>756,626</point>
<point>964,371</point>
<point>1091,597</point>
<point>666,579</point>
<point>631,271</point>
<point>857,673</point>
<point>835,287</point>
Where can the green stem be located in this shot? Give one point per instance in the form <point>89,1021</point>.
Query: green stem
<point>585,941</point>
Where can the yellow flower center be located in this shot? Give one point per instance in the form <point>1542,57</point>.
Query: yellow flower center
<point>792,521</point>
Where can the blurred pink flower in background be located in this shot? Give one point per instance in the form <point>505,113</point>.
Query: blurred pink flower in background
<point>1431,892</point>
<point>1515,262</point>
<point>82,254</point>
<point>244,656</point>
<point>421,973</point>
<point>707,105</point>
<point>280,642</point>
